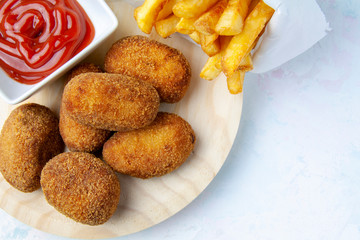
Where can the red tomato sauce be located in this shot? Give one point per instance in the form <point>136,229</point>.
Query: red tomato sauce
<point>39,36</point>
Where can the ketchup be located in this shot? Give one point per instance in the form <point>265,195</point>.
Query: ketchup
<point>38,36</point>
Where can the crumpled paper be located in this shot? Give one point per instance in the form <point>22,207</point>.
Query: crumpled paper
<point>295,27</point>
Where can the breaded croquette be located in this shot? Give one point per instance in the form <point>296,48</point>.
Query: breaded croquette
<point>79,137</point>
<point>152,151</point>
<point>29,138</point>
<point>166,68</point>
<point>113,102</point>
<point>83,68</point>
<point>81,186</point>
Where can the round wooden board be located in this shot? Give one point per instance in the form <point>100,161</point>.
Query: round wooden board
<point>214,115</point>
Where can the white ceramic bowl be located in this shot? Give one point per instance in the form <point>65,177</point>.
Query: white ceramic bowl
<point>105,23</point>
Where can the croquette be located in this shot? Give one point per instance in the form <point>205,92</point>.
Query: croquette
<point>29,138</point>
<point>166,68</point>
<point>152,151</point>
<point>81,186</point>
<point>83,68</point>
<point>79,137</point>
<point>114,102</point>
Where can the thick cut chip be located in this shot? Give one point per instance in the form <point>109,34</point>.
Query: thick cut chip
<point>206,40</point>
<point>209,47</point>
<point>186,25</point>
<point>166,10</point>
<point>235,82</point>
<point>246,64</point>
<point>232,20</point>
<point>240,45</point>
<point>206,23</point>
<point>210,69</point>
<point>195,36</point>
<point>192,8</point>
<point>147,14</point>
<point>167,26</point>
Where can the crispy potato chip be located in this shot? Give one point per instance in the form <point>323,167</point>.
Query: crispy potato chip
<point>240,45</point>
<point>167,26</point>
<point>192,8</point>
<point>206,23</point>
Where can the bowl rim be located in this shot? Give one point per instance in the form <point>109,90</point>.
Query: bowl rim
<point>98,39</point>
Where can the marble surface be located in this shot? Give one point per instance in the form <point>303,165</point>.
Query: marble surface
<point>293,171</point>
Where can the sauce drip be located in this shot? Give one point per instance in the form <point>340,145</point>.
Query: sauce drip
<point>38,36</point>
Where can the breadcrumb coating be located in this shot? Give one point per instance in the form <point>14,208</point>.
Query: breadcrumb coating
<point>113,102</point>
<point>81,186</point>
<point>83,68</point>
<point>164,67</point>
<point>152,151</point>
<point>79,137</point>
<point>29,138</point>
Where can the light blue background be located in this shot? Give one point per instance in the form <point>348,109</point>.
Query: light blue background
<point>294,170</point>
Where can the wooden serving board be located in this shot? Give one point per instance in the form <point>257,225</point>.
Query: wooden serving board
<point>214,115</point>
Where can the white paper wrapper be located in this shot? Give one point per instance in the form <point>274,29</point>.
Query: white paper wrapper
<point>295,26</point>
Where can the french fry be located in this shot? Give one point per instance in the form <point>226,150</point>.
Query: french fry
<point>209,47</point>
<point>147,14</point>
<point>224,42</point>
<point>167,26</point>
<point>206,23</point>
<point>243,9</point>
<point>136,12</point>
<point>240,45</point>
<point>166,10</point>
<point>252,5</point>
<point>206,40</point>
<point>195,36</point>
<point>210,69</point>
<point>246,64</point>
<point>235,82</point>
<point>232,20</point>
<point>226,30</point>
<point>192,8</point>
<point>186,25</point>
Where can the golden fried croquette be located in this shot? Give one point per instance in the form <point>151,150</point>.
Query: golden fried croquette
<point>81,187</point>
<point>113,102</point>
<point>79,137</point>
<point>164,67</point>
<point>83,68</point>
<point>29,138</point>
<point>152,151</point>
